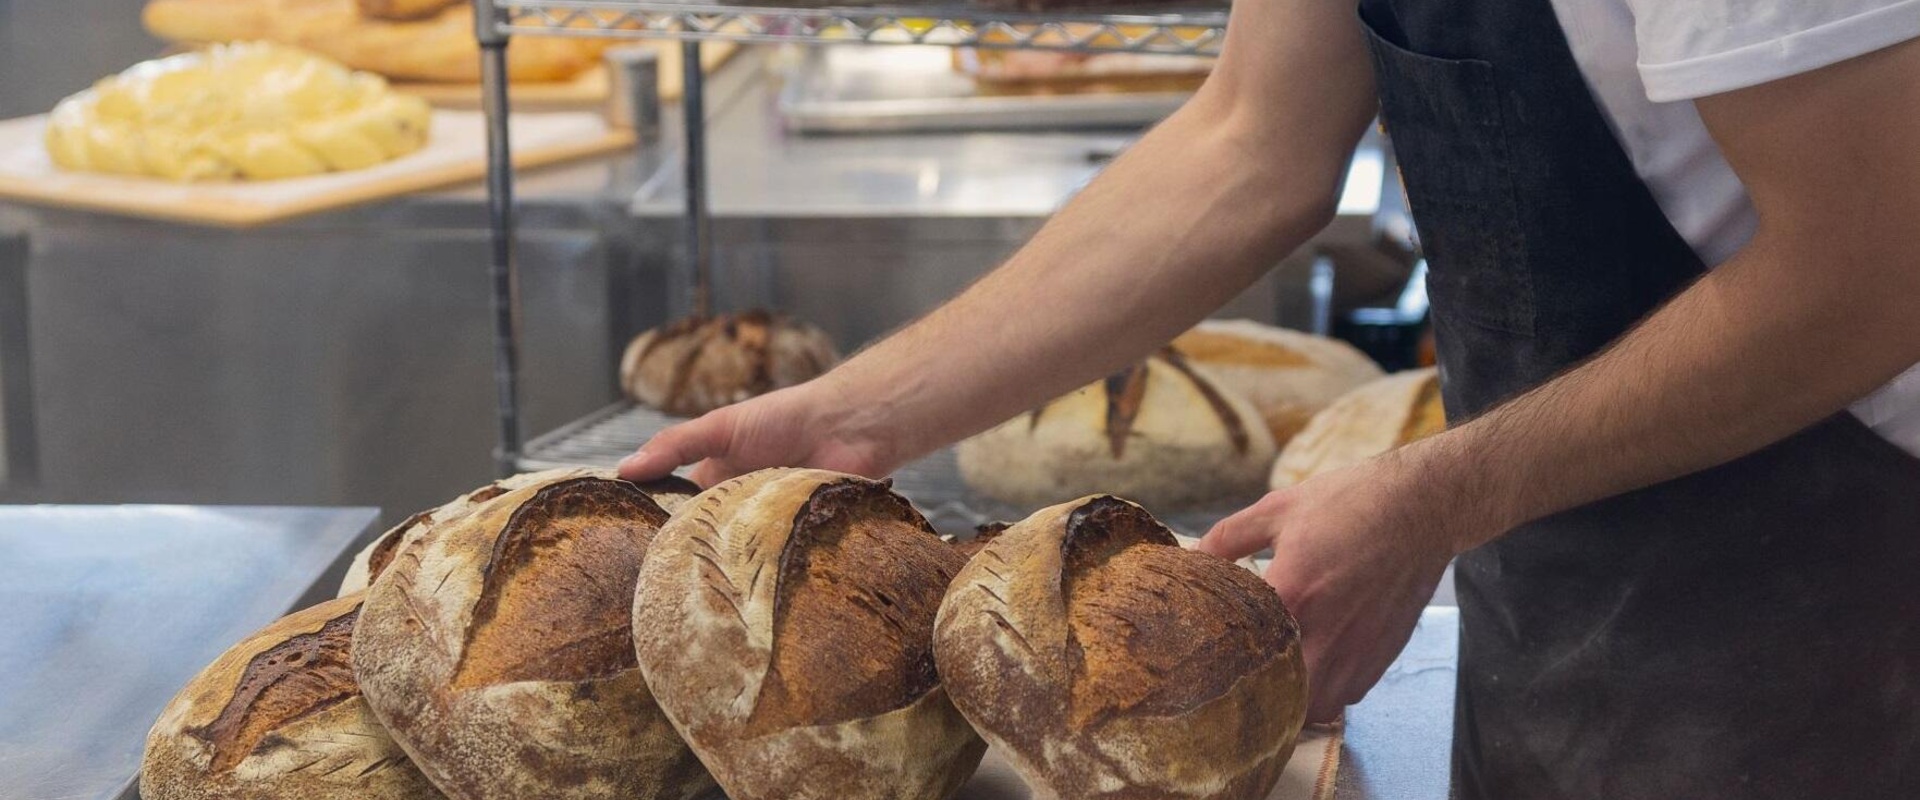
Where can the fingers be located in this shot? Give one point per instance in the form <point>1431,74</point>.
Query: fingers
<point>1247,532</point>
<point>676,447</point>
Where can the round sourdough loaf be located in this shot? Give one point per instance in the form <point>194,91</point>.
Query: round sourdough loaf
<point>1288,375</point>
<point>497,650</point>
<point>1161,432</point>
<point>698,364</point>
<point>279,715</point>
<point>784,621</point>
<point>669,492</point>
<point>1105,661</point>
<point>1377,417</point>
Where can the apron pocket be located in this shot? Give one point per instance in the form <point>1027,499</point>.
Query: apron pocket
<point>1444,120</point>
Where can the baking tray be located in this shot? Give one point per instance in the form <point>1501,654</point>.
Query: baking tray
<point>846,90</point>
<point>587,90</point>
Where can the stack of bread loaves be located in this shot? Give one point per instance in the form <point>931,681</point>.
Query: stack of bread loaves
<point>785,634</point>
<point>1197,424</point>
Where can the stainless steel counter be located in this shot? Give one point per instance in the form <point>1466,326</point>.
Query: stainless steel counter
<point>105,611</point>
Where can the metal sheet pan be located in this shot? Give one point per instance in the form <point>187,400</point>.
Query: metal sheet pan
<point>915,89</point>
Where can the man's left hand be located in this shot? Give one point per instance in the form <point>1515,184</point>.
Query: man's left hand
<point>1356,557</point>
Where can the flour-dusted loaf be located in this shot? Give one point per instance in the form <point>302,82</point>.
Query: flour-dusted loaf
<point>784,620</point>
<point>697,364</point>
<point>279,715</point>
<point>669,492</point>
<point>1161,432</point>
<point>1102,660</point>
<point>1380,416</point>
<point>497,651</point>
<point>1287,375</point>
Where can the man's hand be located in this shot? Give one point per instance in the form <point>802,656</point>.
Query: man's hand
<point>1355,558</point>
<point>1198,209</point>
<point>803,426</point>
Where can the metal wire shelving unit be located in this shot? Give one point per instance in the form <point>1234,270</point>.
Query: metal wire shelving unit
<point>602,437</point>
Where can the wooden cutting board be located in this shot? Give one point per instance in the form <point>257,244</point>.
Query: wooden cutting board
<point>589,90</point>
<point>455,153</point>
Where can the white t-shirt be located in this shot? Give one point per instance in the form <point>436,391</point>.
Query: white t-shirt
<point>1646,60</point>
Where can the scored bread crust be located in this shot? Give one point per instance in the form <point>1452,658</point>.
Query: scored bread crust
<point>1104,661</point>
<point>669,492</point>
<point>1287,375</point>
<point>497,651</point>
<point>808,713</point>
<point>697,364</point>
<point>1162,433</point>
<point>278,715</point>
<point>1373,419</point>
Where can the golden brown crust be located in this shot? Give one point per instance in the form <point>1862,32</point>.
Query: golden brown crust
<point>1288,375</point>
<point>536,618</point>
<point>982,534</point>
<point>301,676</point>
<point>279,715</point>
<point>668,492</point>
<point>1105,661</point>
<point>741,620</point>
<point>436,47</point>
<point>496,650</point>
<point>696,364</point>
<point>1162,432</point>
<point>1373,419</point>
<point>402,9</point>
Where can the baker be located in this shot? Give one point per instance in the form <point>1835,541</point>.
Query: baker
<point>1675,271</point>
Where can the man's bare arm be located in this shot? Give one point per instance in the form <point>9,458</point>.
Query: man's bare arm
<point>1822,307</point>
<point>1193,213</point>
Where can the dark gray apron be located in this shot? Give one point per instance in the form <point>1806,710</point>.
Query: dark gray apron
<point>1748,631</point>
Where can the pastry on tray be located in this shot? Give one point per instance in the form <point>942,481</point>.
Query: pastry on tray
<point>1373,419</point>
<point>1162,432</point>
<point>697,364</point>
<point>1288,375</point>
<point>436,47</point>
<point>248,111</point>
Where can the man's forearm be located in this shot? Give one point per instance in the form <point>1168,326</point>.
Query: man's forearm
<point>1192,214</point>
<point>1817,311</point>
<point>1762,347</point>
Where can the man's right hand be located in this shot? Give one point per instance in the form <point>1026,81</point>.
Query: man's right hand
<point>802,426</point>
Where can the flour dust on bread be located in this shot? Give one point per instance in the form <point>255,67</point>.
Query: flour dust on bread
<point>1104,661</point>
<point>1287,375</point>
<point>1396,410</point>
<point>1161,432</point>
<point>279,715</point>
<point>498,652</point>
<point>697,364</point>
<point>784,620</point>
<point>669,492</point>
